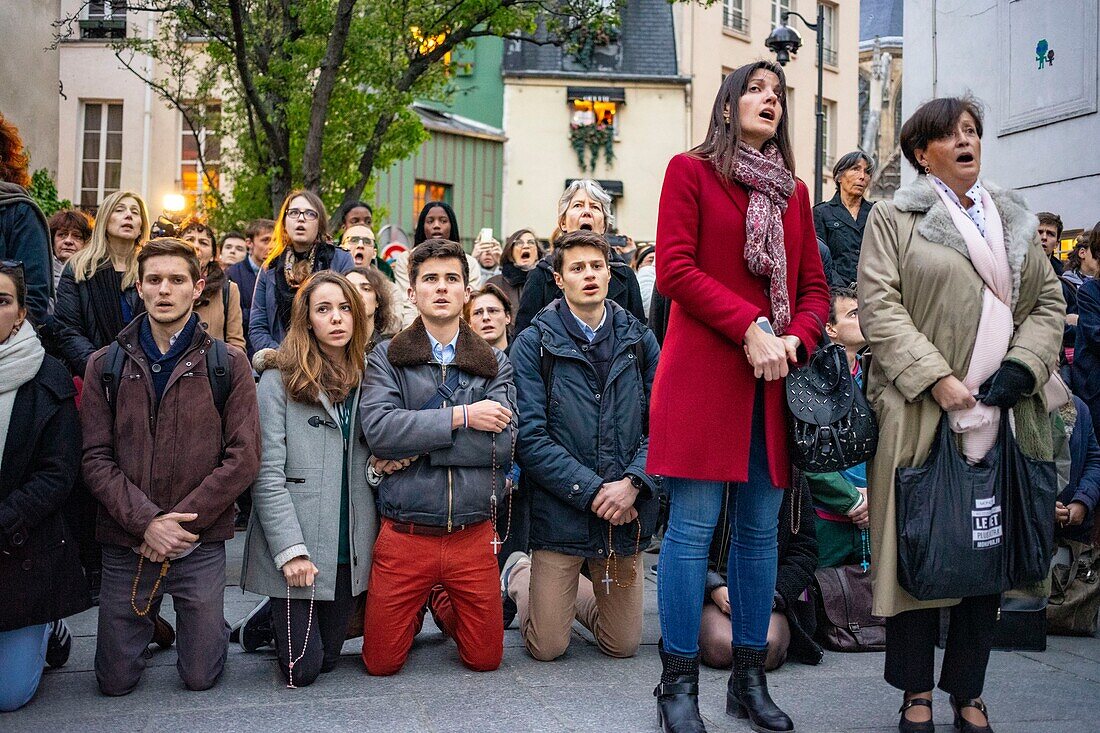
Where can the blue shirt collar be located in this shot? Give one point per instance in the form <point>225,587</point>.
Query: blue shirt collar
<point>588,331</point>
<point>443,353</point>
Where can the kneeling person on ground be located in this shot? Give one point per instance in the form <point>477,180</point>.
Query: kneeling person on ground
<point>583,375</point>
<point>167,498</point>
<point>438,408</point>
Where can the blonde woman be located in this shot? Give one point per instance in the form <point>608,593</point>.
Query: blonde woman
<point>96,296</point>
<point>314,470</point>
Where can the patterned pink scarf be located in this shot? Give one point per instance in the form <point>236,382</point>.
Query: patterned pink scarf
<point>770,184</point>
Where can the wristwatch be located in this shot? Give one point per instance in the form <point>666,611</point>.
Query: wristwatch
<point>639,484</point>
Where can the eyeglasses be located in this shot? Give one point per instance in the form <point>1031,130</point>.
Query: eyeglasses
<point>491,311</point>
<point>307,214</point>
<point>366,241</point>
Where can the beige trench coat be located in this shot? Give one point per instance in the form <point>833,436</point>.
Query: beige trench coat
<point>919,303</point>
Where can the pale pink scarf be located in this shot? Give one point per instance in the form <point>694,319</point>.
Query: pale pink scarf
<point>979,424</point>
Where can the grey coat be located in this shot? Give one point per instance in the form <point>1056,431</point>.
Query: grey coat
<point>296,497</point>
<point>452,481</point>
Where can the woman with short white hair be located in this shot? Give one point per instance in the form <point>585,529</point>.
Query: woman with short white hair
<point>583,205</point>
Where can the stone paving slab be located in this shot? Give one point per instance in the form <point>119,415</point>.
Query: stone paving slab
<point>1057,691</point>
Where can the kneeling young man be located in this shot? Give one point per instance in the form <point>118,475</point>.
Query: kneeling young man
<point>166,463</point>
<point>583,375</point>
<point>438,408</point>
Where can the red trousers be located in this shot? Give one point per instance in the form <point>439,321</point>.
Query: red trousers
<point>404,571</point>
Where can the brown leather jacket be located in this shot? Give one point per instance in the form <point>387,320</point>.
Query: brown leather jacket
<point>144,461</point>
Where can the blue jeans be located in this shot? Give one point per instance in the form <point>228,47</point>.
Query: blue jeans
<point>753,555</point>
<point>22,655</point>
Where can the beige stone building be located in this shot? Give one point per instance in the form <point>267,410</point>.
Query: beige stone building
<point>629,95</point>
<point>714,41</point>
<point>92,123</point>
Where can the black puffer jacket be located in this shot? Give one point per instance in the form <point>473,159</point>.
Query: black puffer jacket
<point>586,435</point>
<point>39,568</point>
<point>89,315</point>
<point>797,563</point>
<point>540,291</point>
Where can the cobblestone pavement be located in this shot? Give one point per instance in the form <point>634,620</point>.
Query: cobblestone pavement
<point>1057,691</point>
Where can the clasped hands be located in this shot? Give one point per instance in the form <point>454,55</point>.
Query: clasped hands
<point>770,355</point>
<point>614,502</point>
<point>164,538</point>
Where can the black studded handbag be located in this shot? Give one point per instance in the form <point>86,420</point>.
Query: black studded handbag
<point>832,426</point>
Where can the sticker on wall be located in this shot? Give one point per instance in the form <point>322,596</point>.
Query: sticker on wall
<point>1044,54</point>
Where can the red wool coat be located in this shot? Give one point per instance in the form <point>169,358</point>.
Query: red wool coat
<point>702,401</point>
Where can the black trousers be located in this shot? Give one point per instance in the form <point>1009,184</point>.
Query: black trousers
<point>911,647</point>
<point>326,633</point>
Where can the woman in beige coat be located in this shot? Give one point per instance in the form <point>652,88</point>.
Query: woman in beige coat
<point>219,305</point>
<point>921,299</point>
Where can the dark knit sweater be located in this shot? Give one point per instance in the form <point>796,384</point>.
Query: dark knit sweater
<point>161,365</point>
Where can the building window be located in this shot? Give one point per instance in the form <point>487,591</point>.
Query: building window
<point>827,124</point>
<point>198,175</point>
<point>104,19</point>
<point>778,8</point>
<point>588,112</point>
<point>100,153</point>
<point>829,34</point>
<point>734,16</point>
<point>425,191</point>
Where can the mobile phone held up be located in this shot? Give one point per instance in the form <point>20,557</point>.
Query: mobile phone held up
<point>765,325</point>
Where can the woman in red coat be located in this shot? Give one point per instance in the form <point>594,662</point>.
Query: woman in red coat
<point>738,258</point>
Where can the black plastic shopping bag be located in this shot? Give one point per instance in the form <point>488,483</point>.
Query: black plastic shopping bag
<point>951,540</point>
<point>1030,490</point>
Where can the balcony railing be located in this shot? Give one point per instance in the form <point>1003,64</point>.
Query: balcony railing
<point>103,28</point>
<point>735,21</point>
<point>830,55</point>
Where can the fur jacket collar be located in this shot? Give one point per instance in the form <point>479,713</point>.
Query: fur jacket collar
<point>473,354</point>
<point>1020,225</point>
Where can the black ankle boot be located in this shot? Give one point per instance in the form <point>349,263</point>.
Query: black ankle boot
<point>747,694</point>
<point>678,694</point>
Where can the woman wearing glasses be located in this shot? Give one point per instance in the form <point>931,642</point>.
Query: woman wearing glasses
<point>300,248</point>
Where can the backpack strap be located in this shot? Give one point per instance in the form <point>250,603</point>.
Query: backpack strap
<point>112,374</point>
<point>546,370</point>
<point>225,307</point>
<point>217,371</point>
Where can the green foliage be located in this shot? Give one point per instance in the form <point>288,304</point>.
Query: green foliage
<point>304,110</point>
<point>44,193</point>
<point>593,139</point>
<point>582,40</point>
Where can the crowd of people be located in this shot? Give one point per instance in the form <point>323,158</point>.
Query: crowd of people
<point>501,434</point>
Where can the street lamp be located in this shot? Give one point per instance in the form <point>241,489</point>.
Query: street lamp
<point>784,41</point>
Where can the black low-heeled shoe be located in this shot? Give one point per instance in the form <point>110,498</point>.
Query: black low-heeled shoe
<point>964,725</point>
<point>909,726</point>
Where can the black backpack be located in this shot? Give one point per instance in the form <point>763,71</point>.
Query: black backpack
<point>217,371</point>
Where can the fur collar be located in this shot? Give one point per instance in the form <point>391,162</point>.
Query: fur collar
<point>473,354</point>
<point>1020,225</point>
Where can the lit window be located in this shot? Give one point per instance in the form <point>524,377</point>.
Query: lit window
<point>425,191</point>
<point>588,112</point>
<point>199,181</point>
